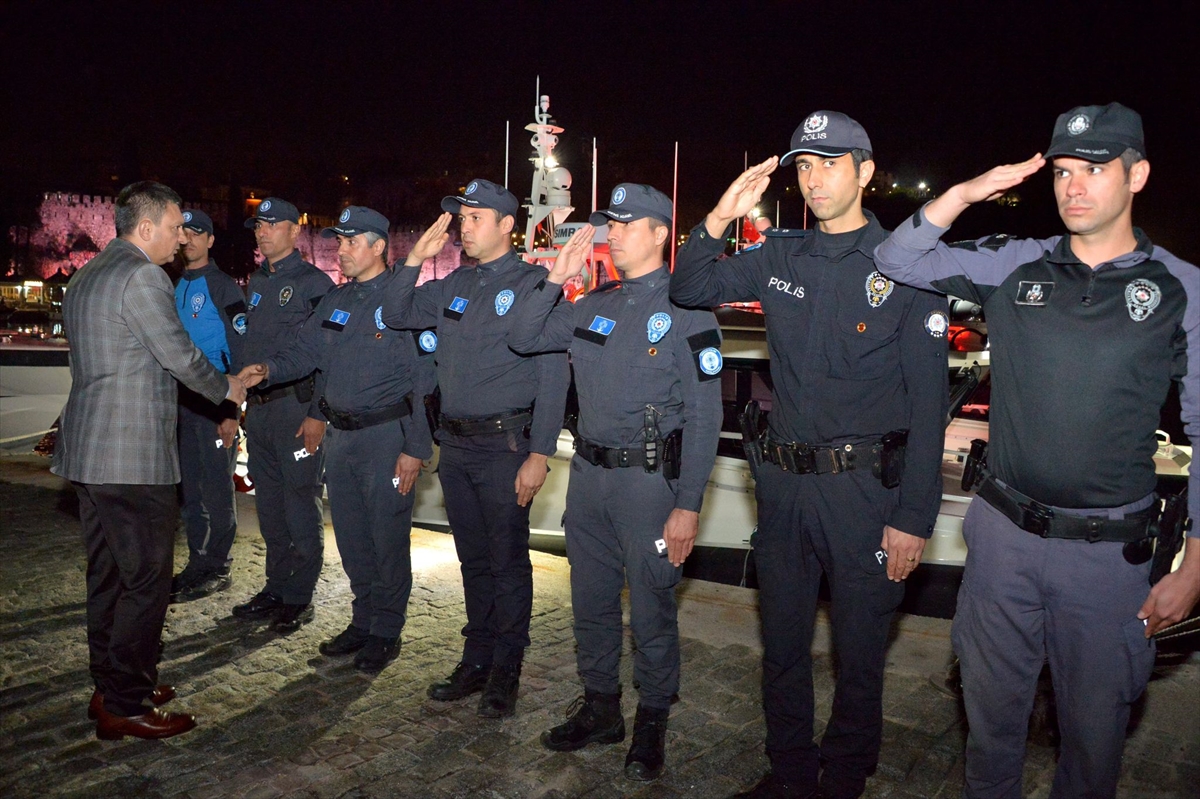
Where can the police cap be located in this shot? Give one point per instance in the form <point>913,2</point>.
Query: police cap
<point>483,194</point>
<point>632,201</point>
<point>357,219</point>
<point>197,220</point>
<point>1097,133</point>
<point>274,209</point>
<point>827,133</point>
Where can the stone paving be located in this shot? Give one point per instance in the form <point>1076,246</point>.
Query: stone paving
<point>277,719</point>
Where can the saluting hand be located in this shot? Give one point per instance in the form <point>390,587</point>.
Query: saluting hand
<point>408,469</point>
<point>903,553</point>
<point>572,256</point>
<point>992,185</point>
<point>741,196</point>
<point>431,242</point>
<point>680,534</point>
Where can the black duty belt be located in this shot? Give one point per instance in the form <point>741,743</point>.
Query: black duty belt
<point>610,457</point>
<point>360,421</point>
<point>493,424</point>
<point>1034,517</point>
<point>261,397</point>
<point>805,459</point>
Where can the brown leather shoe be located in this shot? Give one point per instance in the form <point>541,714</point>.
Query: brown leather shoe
<point>158,723</point>
<point>159,696</point>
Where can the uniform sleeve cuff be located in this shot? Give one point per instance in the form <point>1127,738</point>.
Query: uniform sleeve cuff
<point>911,522</point>
<point>701,238</point>
<point>689,501</point>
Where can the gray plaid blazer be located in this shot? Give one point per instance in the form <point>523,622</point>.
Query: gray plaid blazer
<point>127,349</point>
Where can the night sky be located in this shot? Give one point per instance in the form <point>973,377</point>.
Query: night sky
<point>408,99</point>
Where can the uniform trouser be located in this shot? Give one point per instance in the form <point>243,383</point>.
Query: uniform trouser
<point>287,493</point>
<point>613,518</point>
<point>206,487</point>
<point>1023,599</point>
<point>372,522</point>
<point>491,535</point>
<point>808,524</point>
<point>129,533</point>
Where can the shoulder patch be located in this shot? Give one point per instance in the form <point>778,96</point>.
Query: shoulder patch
<point>235,308</point>
<point>427,341</point>
<point>785,233</point>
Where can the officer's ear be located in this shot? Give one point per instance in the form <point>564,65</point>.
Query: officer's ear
<point>211,240</point>
<point>506,223</point>
<point>145,229</point>
<point>1139,173</point>
<point>866,171</point>
<point>379,248</point>
<point>661,234</point>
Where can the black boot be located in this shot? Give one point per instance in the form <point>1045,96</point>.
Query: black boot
<point>646,755</point>
<point>500,694</point>
<point>466,679</point>
<point>591,718</point>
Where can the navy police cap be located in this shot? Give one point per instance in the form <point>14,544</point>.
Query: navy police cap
<point>827,133</point>
<point>357,219</point>
<point>483,194</point>
<point>274,209</point>
<point>632,201</point>
<point>1097,133</point>
<point>194,219</point>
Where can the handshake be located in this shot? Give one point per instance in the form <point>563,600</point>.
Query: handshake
<point>248,378</point>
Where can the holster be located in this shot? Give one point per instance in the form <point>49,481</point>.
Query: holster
<point>751,441</point>
<point>433,411</point>
<point>891,458</point>
<point>1172,525</point>
<point>975,465</point>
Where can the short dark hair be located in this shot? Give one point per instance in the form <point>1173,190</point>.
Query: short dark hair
<point>1129,158</point>
<point>858,155</point>
<point>142,200</point>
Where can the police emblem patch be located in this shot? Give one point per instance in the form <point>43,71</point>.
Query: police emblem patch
<point>187,217</point>
<point>879,288</point>
<point>379,318</point>
<point>285,294</point>
<point>937,323</point>
<point>504,302</point>
<point>816,123</point>
<point>239,324</point>
<point>602,325</point>
<point>710,360</point>
<point>748,249</point>
<point>472,187</point>
<point>657,327</point>
<point>428,341</point>
<point>266,206</point>
<point>339,317</point>
<point>1078,124</point>
<point>345,217</point>
<point>197,302</point>
<point>255,299</point>
<point>458,304</point>
<point>1034,292</point>
<point>618,195</point>
<point>1141,298</point>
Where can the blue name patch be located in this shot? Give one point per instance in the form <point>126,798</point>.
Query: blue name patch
<point>339,317</point>
<point>458,305</point>
<point>602,325</point>
<point>255,299</point>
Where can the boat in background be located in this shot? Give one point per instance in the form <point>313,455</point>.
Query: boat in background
<point>35,379</point>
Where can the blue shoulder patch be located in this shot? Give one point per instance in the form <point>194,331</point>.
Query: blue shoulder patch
<point>748,249</point>
<point>785,233</point>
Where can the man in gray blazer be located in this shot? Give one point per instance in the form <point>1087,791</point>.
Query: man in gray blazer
<point>117,446</point>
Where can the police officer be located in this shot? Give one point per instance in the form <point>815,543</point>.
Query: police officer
<point>859,368</point>
<point>1046,574</point>
<point>213,311</point>
<point>284,426</point>
<point>648,377</point>
<point>500,417</point>
<point>368,376</point>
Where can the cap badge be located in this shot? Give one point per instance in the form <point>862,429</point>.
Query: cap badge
<point>879,288</point>
<point>937,323</point>
<point>379,318</point>
<point>504,302</point>
<point>428,341</point>
<point>1141,298</point>
<point>472,187</point>
<point>618,195</point>
<point>657,327</point>
<point>187,217</point>
<point>816,123</point>
<point>1078,124</point>
<point>266,205</point>
<point>285,294</point>
<point>345,217</point>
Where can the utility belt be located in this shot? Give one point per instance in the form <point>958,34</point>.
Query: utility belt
<point>1034,517</point>
<point>302,389</point>
<point>884,457</point>
<point>365,419</point>
<point>514,420</point>
<point>658,454</point>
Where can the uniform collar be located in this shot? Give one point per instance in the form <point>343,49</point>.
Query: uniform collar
<point>646,282</point>
<point>379,281</point>
<point>293,260</point>
<point>868,237</point>
<point>504,263</point>
<point>204,271</point>
<point>1063,254</point>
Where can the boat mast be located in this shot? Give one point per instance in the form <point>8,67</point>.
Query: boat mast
<point>550,197</point>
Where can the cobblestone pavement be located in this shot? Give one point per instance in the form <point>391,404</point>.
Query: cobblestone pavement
<point>277,719</point>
